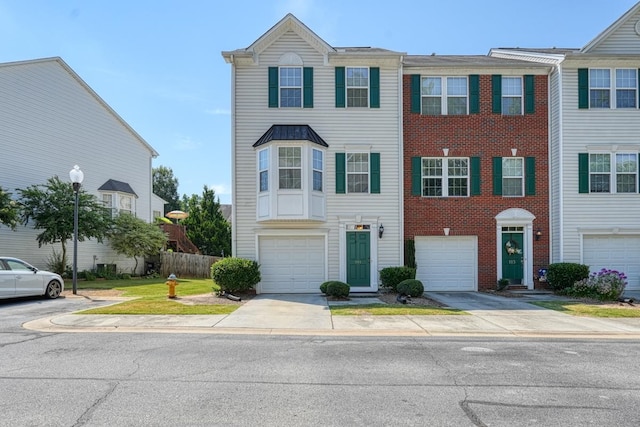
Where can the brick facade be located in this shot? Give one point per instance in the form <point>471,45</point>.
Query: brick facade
<point>485,135</point>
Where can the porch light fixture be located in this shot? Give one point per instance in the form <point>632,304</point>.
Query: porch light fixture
<point>76,176</point>
<point>538,234</point>
<point>380,231</point>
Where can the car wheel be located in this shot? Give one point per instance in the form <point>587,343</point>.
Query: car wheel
<point>53,290</point>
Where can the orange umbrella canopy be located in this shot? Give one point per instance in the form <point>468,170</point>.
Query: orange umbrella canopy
<point>177,215</point>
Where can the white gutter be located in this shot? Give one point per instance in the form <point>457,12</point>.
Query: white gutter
<point>401,162</point>
<point>234,204</point>
<point>560,164</point>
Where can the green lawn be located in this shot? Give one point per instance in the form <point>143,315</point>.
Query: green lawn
<point>588,310</point>
<point>151,297</point>
<point>391,310</point>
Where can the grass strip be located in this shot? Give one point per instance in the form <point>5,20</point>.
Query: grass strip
<point>588,310</point>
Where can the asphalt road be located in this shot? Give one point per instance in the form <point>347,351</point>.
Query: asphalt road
<point>99,379</point>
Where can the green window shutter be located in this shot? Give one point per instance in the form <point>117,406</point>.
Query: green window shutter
<point>340,87</point>
<point>375,173</point>
<point>415,93</point>
<point>474,94</point>
<point>530,176</point>
<point>273,87</point>
<point>496,93</point>
<point>374,87</point>
<point>475,176</point>
<point>497,176</point>
<point>583,88</point>
<point>529,94</point>
<point>416,176</point>
<point>583,172</point>
<point>307,83</point>
<point>341,175</point>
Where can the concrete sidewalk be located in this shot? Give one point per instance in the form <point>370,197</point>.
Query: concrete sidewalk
<point>310,315</point>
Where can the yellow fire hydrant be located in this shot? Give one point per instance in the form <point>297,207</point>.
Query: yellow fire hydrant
<point>172,282</point>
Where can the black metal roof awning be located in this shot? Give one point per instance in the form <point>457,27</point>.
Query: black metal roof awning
<point>290,133</point>
<point>119,186</point>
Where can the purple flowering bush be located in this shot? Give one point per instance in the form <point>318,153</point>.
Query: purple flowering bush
<point>605,285</point>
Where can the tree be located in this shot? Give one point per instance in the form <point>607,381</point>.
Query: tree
<point>165,185</point>
<point>133,237</point>
<point>9,211</point>
<point>51,207</point>
<point>206,226</point>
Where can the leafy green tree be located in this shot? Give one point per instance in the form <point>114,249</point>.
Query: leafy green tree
<point>165,185</point>
<point>50,208</point>
<point>206,226</point>
<point>9,211</point>
<point>133,237</point>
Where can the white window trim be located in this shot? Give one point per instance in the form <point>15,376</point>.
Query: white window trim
<point>314,169</point>
<point>347,173</point>
<point>521,96</point>
<point>266,169</point>
<point>300,168</point>
<point>613,88</point>
<point>347,87</point>
<point>613,173</point>
<point>444,178</point>
<point>281,86</point>
<point>444,95</point>
<point>521,177</point>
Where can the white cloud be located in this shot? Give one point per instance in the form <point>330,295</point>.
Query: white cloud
<point>220,189</point>
<point>218,112</point>
<point>185,143</point>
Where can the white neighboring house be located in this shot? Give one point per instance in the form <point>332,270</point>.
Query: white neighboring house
<point>51,120</point>
<point>317,160</point>
<point>595,148</point>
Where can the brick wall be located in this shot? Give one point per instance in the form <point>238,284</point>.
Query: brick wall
<point>485,135</point>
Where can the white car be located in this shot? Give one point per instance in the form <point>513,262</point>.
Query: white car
<point>20,279</point>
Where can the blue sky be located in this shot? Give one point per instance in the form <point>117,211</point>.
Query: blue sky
<point>157,63</point>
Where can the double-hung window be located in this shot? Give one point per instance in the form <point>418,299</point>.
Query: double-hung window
<point>290,86</point>
<point>263,169</point>
<point>511,96</point>
<point>357,86</point>
<point>445,177</point>
<point>290,168</point>
<point>512,176</point>
<point>357,172</point>
<point>318,170</point>
<point>107,202</point>
<point>444,95</point>
<point>613,173</point>
<point>613,87</point>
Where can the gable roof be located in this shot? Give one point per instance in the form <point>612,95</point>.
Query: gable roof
<point>290,133</point>
<point>288,23</point>
<point>119,186</point>
<point>611,29</point>
<point>77,78</point>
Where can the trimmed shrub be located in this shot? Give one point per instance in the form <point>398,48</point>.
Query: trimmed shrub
<point>236,274</point>
<point>323,286</point>
<point>605,285</point>
<point>337,289</point>
<point>563,275</point>
<point>391,276</point>
<point>89,276</point>
<point>502,284</point>
<point>411,287</point>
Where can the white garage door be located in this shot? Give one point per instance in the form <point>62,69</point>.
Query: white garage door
<point>447,263</point>
<point>616,252</point>
<point>291,264</point>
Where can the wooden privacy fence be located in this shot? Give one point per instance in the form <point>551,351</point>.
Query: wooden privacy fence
<point>186,265</point>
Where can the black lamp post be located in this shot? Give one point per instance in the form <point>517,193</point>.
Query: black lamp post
<point>76,177</point>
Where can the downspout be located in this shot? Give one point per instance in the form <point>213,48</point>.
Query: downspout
<point>401,161</point>
<point>234,204</point>
<point>560,166</point>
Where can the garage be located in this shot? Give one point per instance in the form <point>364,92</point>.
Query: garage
<point>447,263</point>
<point>291,264</point>
<point>616,252</point>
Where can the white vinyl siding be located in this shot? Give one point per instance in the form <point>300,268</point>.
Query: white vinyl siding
<point>378,130</point>
<point>53,122</point>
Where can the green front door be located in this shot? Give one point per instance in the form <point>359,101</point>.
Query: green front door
<point>358,258</point>
<point>512,257</point>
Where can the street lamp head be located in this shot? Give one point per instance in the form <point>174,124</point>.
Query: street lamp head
<point>76,177</point>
